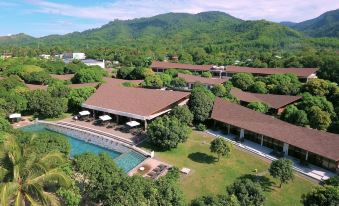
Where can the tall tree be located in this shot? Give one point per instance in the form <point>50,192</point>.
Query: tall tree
<point>220,147</point>
<point>282,169</point>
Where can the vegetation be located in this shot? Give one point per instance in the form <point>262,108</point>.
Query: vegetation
<point>295,116</point>
<point>258,106</point>
<point>220,147</point>
<point>167,132</point>
<point>25,176</point>
<point>183,114</point>
<point>282,169</point>
<point>325,196</point>
<point>201,103</point>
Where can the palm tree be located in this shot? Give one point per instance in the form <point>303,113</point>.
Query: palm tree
<point>26,179</point>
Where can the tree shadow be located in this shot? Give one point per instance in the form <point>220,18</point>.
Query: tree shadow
<point>202,158</point>
<point>265,182</point>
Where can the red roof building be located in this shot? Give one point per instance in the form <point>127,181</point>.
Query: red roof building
<point>137,103</point>
<point>311,145</point>
<point>191,79</point>
<point>277,102</point>
<point>158,66</point>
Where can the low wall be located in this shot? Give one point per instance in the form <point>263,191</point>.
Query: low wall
<point>97,139</point>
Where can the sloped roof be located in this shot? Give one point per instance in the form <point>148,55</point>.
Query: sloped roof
<point>136,101</point>
<point>272,100</point>
<point>209,81</point>
<point>319,142</point>
<point>300,72</point>
<point>169,65</point>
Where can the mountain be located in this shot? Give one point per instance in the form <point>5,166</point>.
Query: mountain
<point>326,25</point>
<point>288,23</point>
<point>214,29</point>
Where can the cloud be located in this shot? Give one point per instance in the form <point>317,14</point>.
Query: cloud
<point>274,10</point>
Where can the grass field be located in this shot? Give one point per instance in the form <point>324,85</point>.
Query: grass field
<point>211,177</point>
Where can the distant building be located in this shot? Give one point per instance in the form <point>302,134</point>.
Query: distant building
<point>207,82</point>
<point>6,56</point>
<point>93,62</point>
<point>45,56</point>
<point>78,56</point>
<point>304,74</point>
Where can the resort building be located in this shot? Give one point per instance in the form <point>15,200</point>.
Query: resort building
<point>307,145</point>
<point>72,56</point>
<point>276,103</point>
<point>208,82</point>
<point>304,74</point>
<point>128,103</point>
<point>158,66</point>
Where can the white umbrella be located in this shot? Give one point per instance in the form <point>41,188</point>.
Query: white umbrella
<point>133,123</point>
<point>84,113</point>
<point>13,116</point>
<point>105,118</point>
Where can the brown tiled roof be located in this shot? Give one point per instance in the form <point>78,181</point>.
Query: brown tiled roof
<point>322,143</point>
<point>169,65</point>
<point>64,77</point>
<point>36,87</point>
<point>209,81</point>
<point>300,72</point>
<point>137,101</point>
<point>272,100</point>
<point>75,86</point>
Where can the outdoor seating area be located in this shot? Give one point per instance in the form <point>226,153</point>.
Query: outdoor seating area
<point>157,172</point>
<point>130,130</point>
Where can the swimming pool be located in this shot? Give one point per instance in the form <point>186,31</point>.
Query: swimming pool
<point>126,161</point>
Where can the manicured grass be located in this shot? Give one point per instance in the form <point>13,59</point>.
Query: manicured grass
<point>211,177</point>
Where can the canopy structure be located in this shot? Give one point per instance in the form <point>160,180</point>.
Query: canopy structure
<point>133,123</point>
<point>105,118</point>
<point>84,113</point>
<point>14,116</point>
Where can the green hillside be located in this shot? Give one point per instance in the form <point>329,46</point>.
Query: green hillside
<point>326,25</point>
<point>174,30</point>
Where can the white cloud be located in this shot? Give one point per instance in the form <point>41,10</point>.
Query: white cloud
<point>274,10</point>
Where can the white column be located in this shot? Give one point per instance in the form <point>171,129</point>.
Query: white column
<point>262,140</point>
<point>228,129</point>
<point>242,133</point>
<point>285,149</point>
<point>306,155</point>
<point>145,122</point>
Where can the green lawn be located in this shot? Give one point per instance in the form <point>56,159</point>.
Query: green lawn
<point>211,177</point>
<point>63,116</point>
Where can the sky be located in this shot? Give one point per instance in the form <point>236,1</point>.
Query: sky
<point>44,17</point>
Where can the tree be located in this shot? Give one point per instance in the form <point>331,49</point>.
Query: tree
<point>219,90</point>
<point>308,101</point>
<point>183,114</point>
<point>78,96</point>
<point>70,196</point>
<point>258,87</point>
<point>322,196</point>
<point>26,179</point>
<point>282,169</point>
<point>43,104</point>
<point>228,86</point>
<point>242,80</point>
<point>86,75</point>
<point>125,72</point>
<point>319,119</point>
<point>166,79</point>
<point>5,126</point>
<point>201,103</point>
<point>318,87</point>
<point>207,74</point>
<point>295,116</point>
<point>219,200</point>
<point>167,132</point>
<point>59,90</point>
<point>178,82</point>
<point>283,84</point>
<point>333,181</point>
<point>220,147</point>
<point>247,192</point>
<point>45,142</point>
<point>258,106</point>
<point>153,82</point>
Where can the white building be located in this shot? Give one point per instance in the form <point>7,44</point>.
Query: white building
<point>78,56</point>
<point>93,62</point>
<point>45,56</point>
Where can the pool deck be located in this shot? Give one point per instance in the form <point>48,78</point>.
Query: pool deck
<point>24,122</point>
<point>149,164</point>
<point>133,139</point>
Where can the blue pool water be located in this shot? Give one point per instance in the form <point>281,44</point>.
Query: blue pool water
<point>126,161</point>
